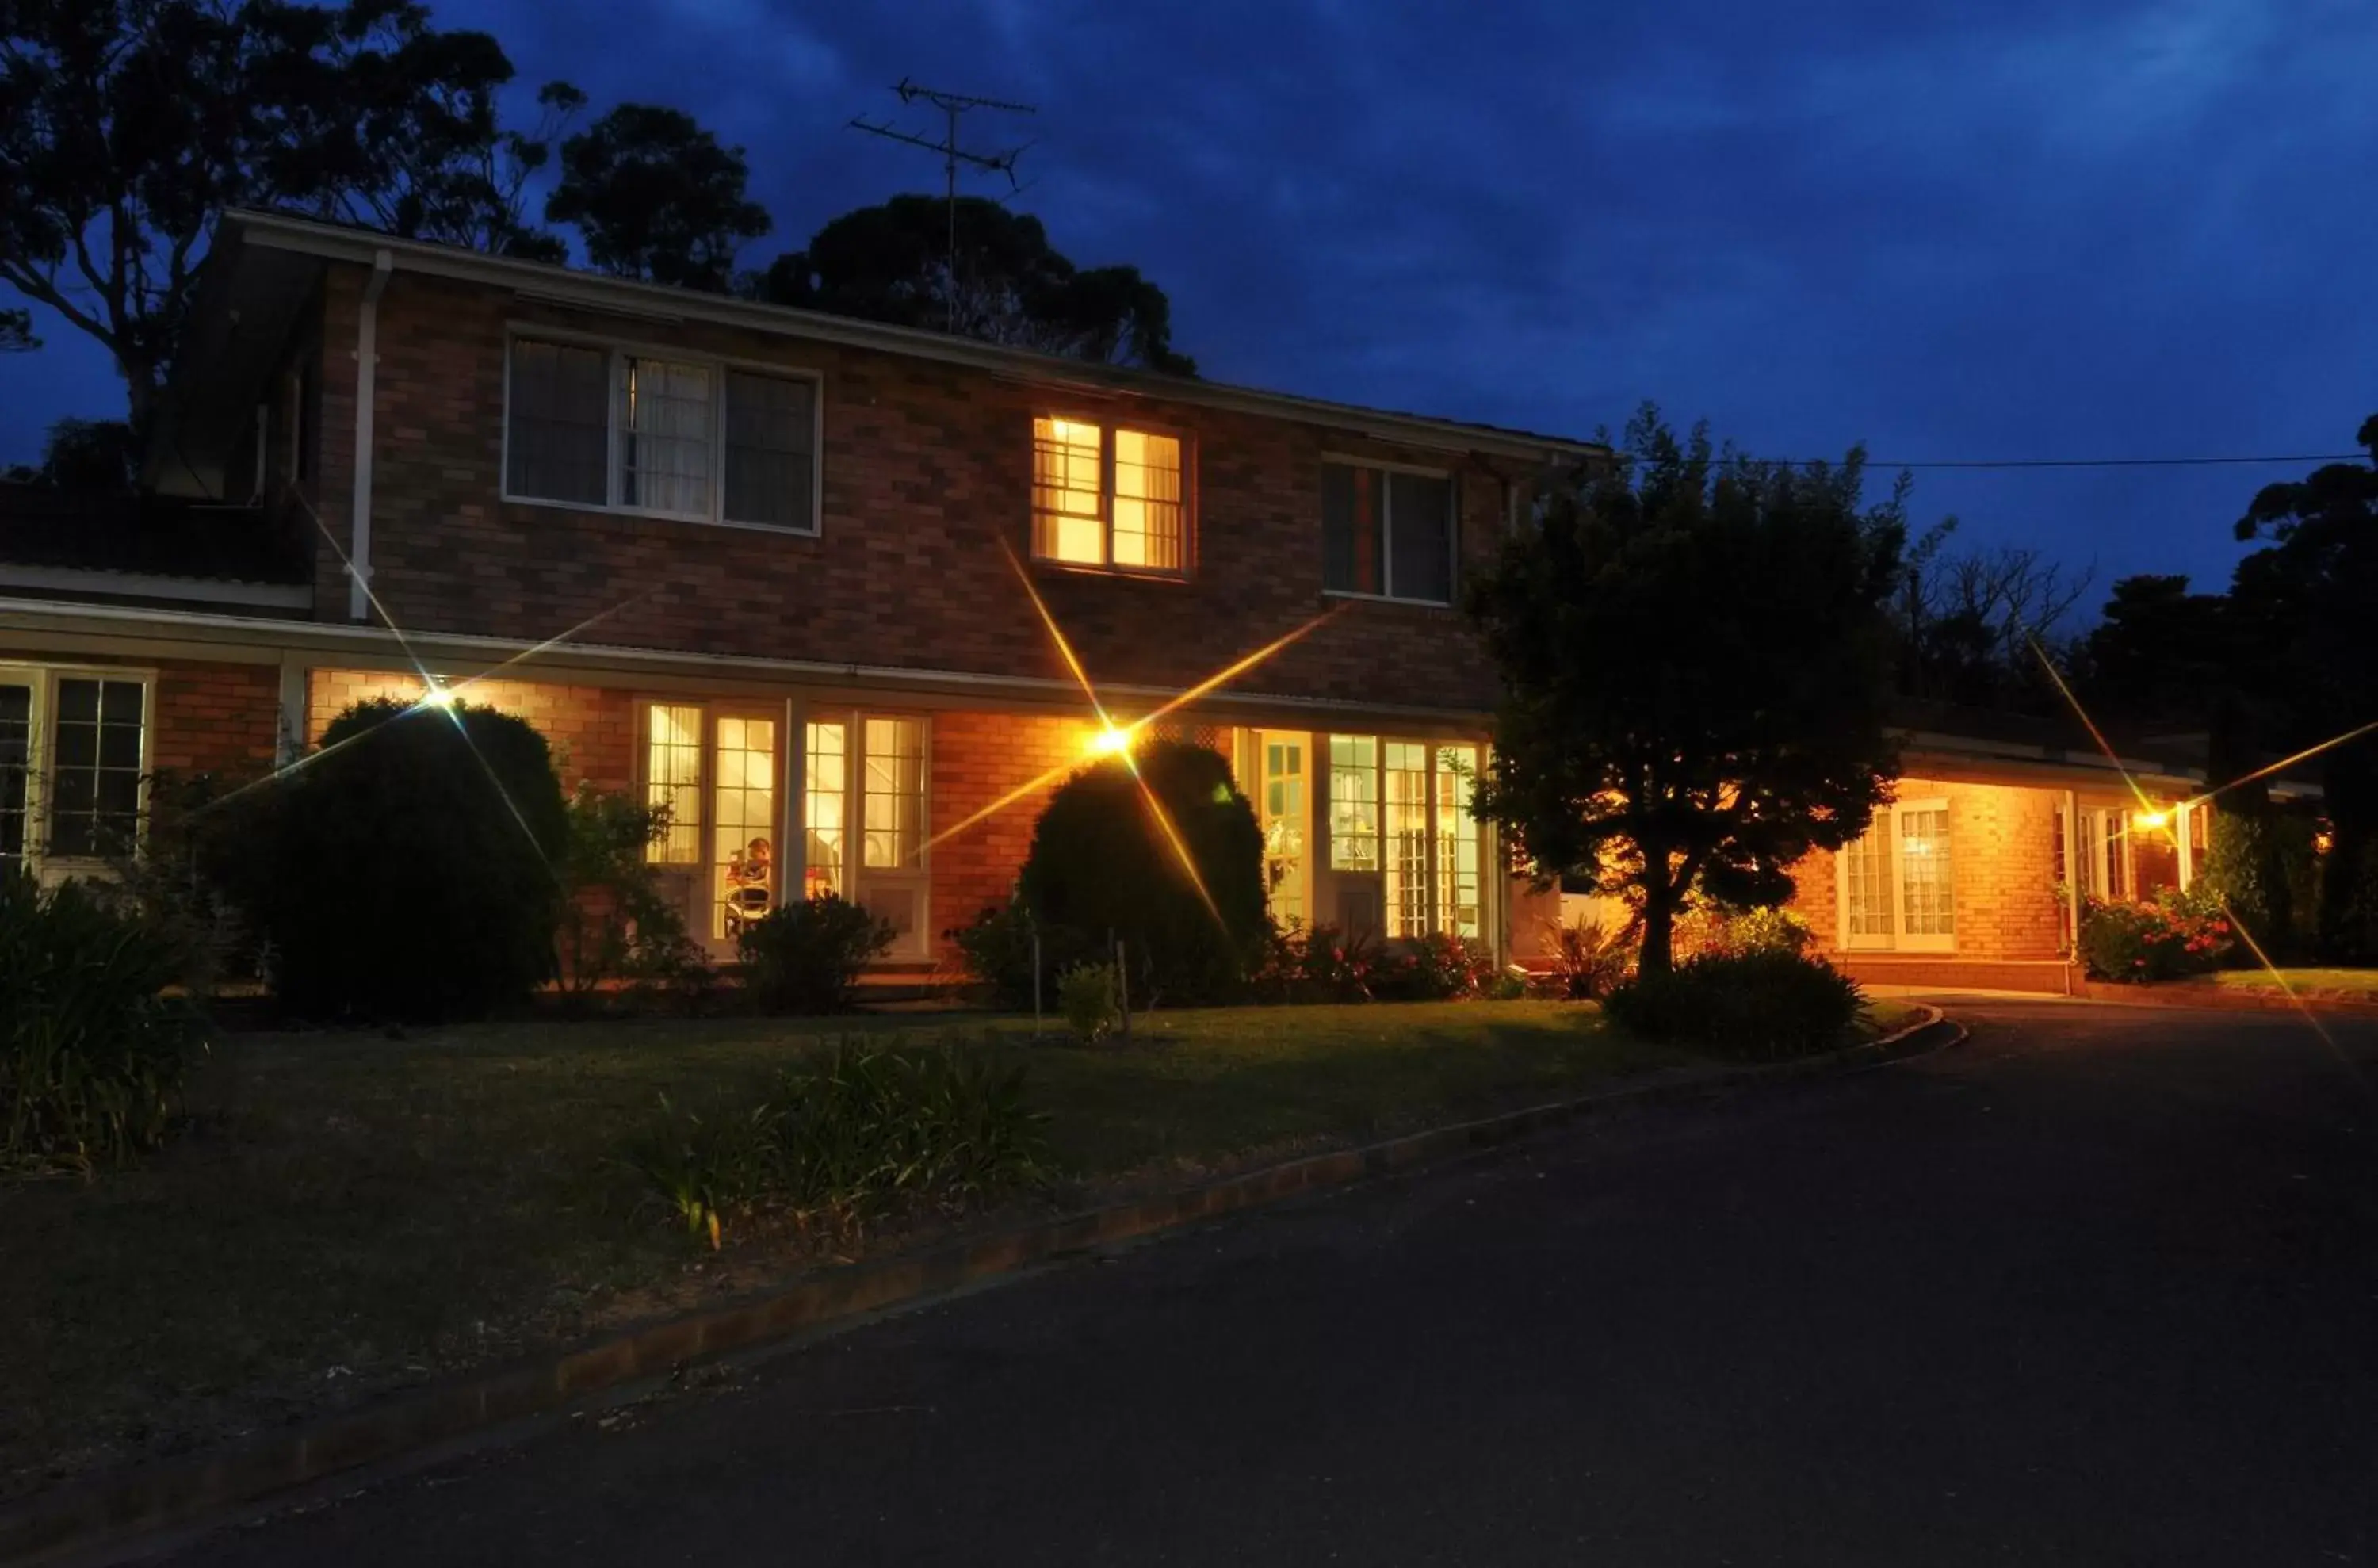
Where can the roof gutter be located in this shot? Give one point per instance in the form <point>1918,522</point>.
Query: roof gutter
<point>367,367</point>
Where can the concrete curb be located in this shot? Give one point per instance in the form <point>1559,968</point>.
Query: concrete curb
<point>2223,999</point>
<point>89,1515</point>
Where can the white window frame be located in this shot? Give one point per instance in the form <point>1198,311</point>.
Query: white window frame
<point>40,777</point>
<point>1898,939</point>
<point>1387,534</point>
<point>1322,853</point>
<point>1108,428</point>
<point>617,350</point>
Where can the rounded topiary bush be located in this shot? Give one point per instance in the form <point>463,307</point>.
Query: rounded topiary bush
<point>1102,863</point>
<point>407,870</point>
<point>1764,1004</point>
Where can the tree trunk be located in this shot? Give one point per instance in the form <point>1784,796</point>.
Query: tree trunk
<point>140,393</point>
<point>1659,930</point>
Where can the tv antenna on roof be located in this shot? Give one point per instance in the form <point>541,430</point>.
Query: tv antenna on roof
<point>953,104</point>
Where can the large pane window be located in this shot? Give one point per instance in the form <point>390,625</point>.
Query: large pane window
<point>743,821</point>
<point>596,426</point>
<point>1387,533</point>
<point>1404,813</point>
<point>1355,803</point>
<point>1108,496</point>
<point>1896,887</point>
<point>1458,856</point>
<point>894,792</point>
<point>673,779</point>
<point>95,766</point>
<point>825,783</point>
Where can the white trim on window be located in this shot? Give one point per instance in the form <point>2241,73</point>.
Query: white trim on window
<point>1110,430</point>
<point>41,678</point>
<point>1884,835</point>
<point>618,350</point>
<point>1387,593</point>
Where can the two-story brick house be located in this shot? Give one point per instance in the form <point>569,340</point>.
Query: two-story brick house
<point>788,571</point>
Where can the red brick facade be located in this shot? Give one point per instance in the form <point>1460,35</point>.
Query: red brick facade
<point>927,471</point>
<point>217,718</point>
<point>592,730</point>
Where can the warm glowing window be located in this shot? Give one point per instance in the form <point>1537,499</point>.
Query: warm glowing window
<point>1355,803</point>
<point>602,427</point>
<point>1108,496</point>
<point>1386,532</point>
<point>1896,887</point>
<point>894,798</point>
<point>1402,809</point>
<point>743,821</point>
<point>825,788</point>
<point>673,779</point>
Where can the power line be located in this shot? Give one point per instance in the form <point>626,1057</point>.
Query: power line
<point>952,104</point>
<point>2091,462</point>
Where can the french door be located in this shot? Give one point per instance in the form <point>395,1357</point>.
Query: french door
<point>1283,810</point>
<point>719,771</point>
<point>1896,891</point>
<point>863,813</point>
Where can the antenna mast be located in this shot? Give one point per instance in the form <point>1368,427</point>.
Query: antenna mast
<point>952,104</point>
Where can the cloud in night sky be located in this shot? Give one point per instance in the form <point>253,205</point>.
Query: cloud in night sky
<point>2023,230</point>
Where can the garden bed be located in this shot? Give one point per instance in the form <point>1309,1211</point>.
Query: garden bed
<point>354,1212</point>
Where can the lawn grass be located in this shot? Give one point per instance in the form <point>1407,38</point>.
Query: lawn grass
<point>2357,983</point>
<point>353,1211</point>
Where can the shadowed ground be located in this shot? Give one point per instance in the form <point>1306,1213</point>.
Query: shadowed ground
<point>2101,1288</point>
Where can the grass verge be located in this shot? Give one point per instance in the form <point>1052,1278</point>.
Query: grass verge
<point>2352,984</point>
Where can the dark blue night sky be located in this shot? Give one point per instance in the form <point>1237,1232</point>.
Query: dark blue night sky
<point>2020,229</point>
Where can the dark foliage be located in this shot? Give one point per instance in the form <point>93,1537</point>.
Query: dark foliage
<point>1316,963</point>
<point>1436,968</point>
<point>1696,658</point>
<point>891,263</point>
<point>806,957</point>
<point>655,196</point>
<point>92,1051</point>
<point>409,871</point>
<point>1764,1005</point>
<point>1101,861</point>
<point>618,921</point>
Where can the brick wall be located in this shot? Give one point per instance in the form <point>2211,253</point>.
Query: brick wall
<point>979,758</point>
<point>926,470</point>
<point>592,732</point>
<point>217,718</point>
<point>2002,866</point>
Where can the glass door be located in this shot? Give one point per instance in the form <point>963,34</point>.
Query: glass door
<point>1896,891</point>
<point>1282,811</point>
<point>742,860</point>
<point>863,820</point>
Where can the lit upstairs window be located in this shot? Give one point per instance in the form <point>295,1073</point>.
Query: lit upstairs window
<point>1108,496</point>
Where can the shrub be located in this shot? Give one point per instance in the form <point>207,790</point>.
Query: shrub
<point>617,921</point>
<point>1088,1000</point>
<point>997,951</point>
<point>1102,863</point>
<point>2263,868</point>
<point>1436,968</point>
<point>92,1051</point>
<point>1722,932</point>
<point>408,870</point>
<point>805,958</point>
<point>2179,934</point>
<point>848,1130</point>
<point>1765,1004</point>
<point>1590,958</point>
<point>166,883</point>
<point>1320,963</point>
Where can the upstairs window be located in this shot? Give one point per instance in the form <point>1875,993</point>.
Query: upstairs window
<point>1108,496</point>
<point>601,427</point>
<point>1387,533</point>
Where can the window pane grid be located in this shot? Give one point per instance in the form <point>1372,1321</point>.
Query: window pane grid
<point>825,780</point>
<point>743,819</point>
<point>894,794</point>
<point>1868,875</point>
<point>16,772</point>
<point>665,435</point>
<point>1387,533</point>
<point>673,778</point>
<point>1457,855</point>
<point>1405,774</point>
<point>1924,891</point>
<point>95,770</point>
<point>1068,522</point>
<point>560,439</point>
<point>1355,803</point>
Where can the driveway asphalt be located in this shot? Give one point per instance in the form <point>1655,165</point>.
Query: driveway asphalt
<point>2099,1287</point>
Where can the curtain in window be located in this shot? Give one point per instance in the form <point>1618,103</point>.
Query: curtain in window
<point>664,435</point>
<point>1420,535</point>
<point>771,427</point>
<point>1351,520</point>
<point>1147,500</point>
<point>559,440</point>
<point>95,767</point>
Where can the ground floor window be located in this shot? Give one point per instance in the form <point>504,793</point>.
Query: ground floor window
<point>73,756</point>
<point>720,769</point>
<point>1404,856</point>
<point>1896,887</point>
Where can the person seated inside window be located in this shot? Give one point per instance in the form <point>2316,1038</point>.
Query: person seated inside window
<point>752,864</point>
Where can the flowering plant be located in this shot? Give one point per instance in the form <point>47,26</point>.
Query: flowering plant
<point>2171,937</point>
